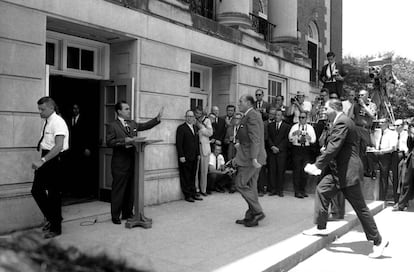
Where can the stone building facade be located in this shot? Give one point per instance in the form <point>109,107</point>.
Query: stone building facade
<point>152,53</point>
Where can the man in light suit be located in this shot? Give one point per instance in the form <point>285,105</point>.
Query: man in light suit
<point>205,131</point>
<point>120,135</point>
<point>342,149</point>
<point>250,157</point>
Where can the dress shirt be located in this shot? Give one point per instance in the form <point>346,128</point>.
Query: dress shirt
<point>216,162</point>
<point>295,139</point>
<point>75,119</point>
<point>402,141</point>
<point>387,142</point>
<point>55,126</point>
<point>191,127</point>
<point>306,106</point>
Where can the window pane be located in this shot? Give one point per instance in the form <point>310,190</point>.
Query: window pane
<point>273,88</point>
<point>121,92</point>
<point>87,60</point>
<point>200,103</point>
<point>110,114</point>
<point>193,103</point>
<point>191,79</point>
<point>279,88</point>
<point>73,58</point>
<point>50,53</point>
<point>110,95</point>
<point>196,80</point>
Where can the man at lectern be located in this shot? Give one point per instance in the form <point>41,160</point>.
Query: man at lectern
<point>120,135</point>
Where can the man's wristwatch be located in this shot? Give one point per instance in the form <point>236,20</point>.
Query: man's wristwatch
<point>43,159</point>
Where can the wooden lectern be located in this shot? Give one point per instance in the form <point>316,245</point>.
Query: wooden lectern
<point>139,219</point>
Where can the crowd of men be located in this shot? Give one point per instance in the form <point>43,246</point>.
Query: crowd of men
<point>332,140</point>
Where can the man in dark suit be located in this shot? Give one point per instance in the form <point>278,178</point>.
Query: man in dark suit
<point>219,127</point>
<point>260,105</point>
<point>278,143</point>
<point>79,183</point>
<point>342,149</point>
<point>188,152</point>
<point>119,135</point>
<point>332,76</point>
<point>250,157</point>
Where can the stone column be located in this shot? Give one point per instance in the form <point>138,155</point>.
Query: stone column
<point>234,13</point>
<point>283,14</point>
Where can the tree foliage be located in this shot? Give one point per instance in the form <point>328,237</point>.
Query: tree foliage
<point>401,97</point>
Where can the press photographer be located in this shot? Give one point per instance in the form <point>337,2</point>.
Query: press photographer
<point>332,76</point>
<point>298,105</point>
<point>301,135</point>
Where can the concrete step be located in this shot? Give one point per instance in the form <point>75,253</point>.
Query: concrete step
<point>288,253</point>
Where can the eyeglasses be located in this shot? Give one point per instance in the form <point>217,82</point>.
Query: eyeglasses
<point>302,117</point>
<point>190,116</point>
<point>258,94</point>
<point>361,95</point>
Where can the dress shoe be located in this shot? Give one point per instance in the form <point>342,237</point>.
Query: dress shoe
<point>116,221</point>
<point>189,199</point>
<point>52,234</point>
<point>220,190</point>
<point>46,226</point>
<point>255,220</point>
<point>260,193</point>
<point>378,250</point>
<point>397,208</point>
<point>373,175</point>
<point>208,192</point>
<point>203,194</point>
<point>125,217</point>
<point>305,195</point>
<point>241,221</point>
<point>197,198</point>
<point>272,194</point>
<point>232,190</point>
<point>298,195</point>
<point>281,194</point>
<point>316,232</point>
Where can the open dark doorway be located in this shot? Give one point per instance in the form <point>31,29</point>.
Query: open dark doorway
<point>81,176</point>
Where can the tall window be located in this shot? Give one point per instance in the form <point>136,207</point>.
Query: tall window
<point>313,41</point>
<point>276,86</point>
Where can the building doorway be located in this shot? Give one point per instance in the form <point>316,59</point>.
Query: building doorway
<point>80,180</point>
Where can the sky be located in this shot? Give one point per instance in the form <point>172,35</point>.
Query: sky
<point>378,26</point>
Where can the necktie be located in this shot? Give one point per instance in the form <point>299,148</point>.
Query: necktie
<point>41,138</point>
<point>128,129</point>
<point>379,147</point>
<point>216,162</point>
<point>398,142</point>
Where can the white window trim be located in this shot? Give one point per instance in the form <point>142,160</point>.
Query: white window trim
<point>101,56</point>
<point>281,80</point>
<point>205,79</point>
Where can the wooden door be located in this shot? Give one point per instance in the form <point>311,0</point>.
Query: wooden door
<point>111,93</point>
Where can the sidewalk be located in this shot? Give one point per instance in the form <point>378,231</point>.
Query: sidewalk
<point>203,236</point>
<point>349,253</point>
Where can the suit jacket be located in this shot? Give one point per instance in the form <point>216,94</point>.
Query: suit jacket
<point>343,150</point>
<point>324,78</point>
<point>123,157</point>
<point>251,138</point>
<point>279,138</point>
<point>219,129</point>
<point>204,135</point>
<point>187,143</point>
<point>80,135</point>
<point>266,107</point>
